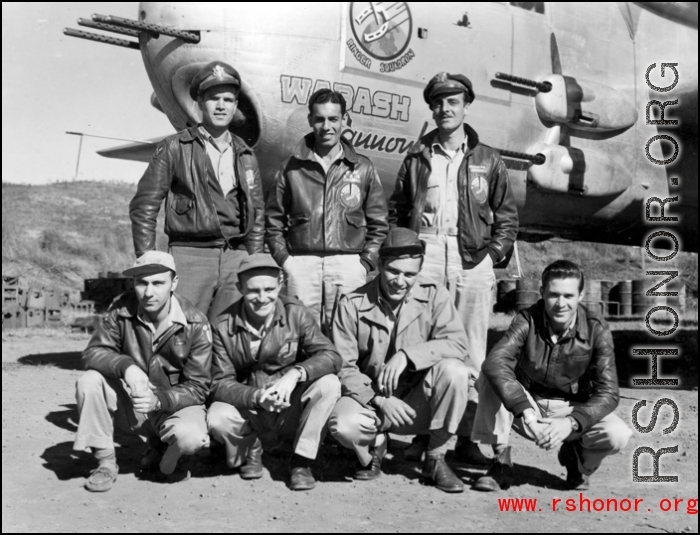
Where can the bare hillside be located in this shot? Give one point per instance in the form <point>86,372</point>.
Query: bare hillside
<point>56,235</point>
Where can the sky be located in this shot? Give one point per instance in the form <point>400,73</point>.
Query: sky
<point>52,83</point>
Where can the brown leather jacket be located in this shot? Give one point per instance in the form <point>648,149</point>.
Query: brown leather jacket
<point>579,368</point>
<point>293,339</point>
<point>488,217</point>
<point>178,173</point>
<point>180,365</point>
<point>429,330</point>
<point>311,213</point>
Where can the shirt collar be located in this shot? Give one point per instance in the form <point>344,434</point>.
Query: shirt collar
<point>338,156</point>
<point>436,145</point>
<point>206,135</point>
<point>175,315</point>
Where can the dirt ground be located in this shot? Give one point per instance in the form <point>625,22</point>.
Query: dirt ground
<point>42,483</point>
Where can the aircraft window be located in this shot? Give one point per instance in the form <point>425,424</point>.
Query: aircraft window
<point>537,7</point>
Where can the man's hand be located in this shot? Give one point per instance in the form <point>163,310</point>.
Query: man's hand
<point>144,401</point>
<point>396,411</point>
<point>276,396</point>
<point>270,403</point>
<point>136,379</point>
<point>555,432</point>
<point>537,429</point>
<point>388,379</point>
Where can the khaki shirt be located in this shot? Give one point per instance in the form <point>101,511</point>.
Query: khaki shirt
<point>427,330</point>
<point>325,166</point>
<point>175,315</point>
<point>221,159</point>
<point>442,201</point>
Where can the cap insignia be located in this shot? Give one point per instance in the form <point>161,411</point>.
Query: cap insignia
<point>441,77</point>
<point>219,71</point>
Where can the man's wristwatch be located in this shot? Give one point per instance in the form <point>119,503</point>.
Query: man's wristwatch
<point>575,427</point>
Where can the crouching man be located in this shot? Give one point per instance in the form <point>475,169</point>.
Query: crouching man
<point>403,347</point>
<point>273,375</point>
<point>552,377</point>
<point>148,372</point>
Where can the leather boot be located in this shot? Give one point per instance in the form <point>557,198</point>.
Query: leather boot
<point>436,471</point>
<point>499,475</point>
<point>253,468</point>
<point>301,477</point>
<point>374,469</point>
<point>152,456</point>
<point>568,458</point>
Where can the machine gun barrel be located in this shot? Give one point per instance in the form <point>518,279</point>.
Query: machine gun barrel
<point>543,87</point>
<point>107,39</point>
<point>537,159</point>
<point>188,37</point>
<point>107,27</point>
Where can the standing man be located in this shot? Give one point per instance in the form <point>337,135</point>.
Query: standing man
<point>273,375</point>
<point>326,215</point>
<point>403,348</point>
<point>454,191</point>
<point>211,184</point>
<point>552,377</point>
<point>148,372</point>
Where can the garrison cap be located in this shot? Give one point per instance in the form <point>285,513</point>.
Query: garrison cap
<point>213,74</point>
<point>150,263</point>
<point>401,241</point>
<point>445,83</point>
<point>258,261</point>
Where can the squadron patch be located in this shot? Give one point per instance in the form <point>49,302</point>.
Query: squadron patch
<point>350,194</point>
<point>478,184</point>
<point>207,332</point>
<point>250,178</point>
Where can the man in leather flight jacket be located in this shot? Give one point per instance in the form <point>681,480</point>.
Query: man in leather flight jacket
<point>552,377</point>
<point>214,209</point>
<point>326,215</point>
<point>273,376</point>
<point>148,372</point>
<point>454,191</point>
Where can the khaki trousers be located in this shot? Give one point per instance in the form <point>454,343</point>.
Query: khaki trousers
<point>493,424</point>
<point>439,400</point>
<point>304,421</point>
<point>316,280</point>
<point>104,404</point>
<point>472,294</point>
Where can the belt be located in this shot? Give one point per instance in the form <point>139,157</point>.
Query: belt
<point>440,231</point>
<point>544,392</point>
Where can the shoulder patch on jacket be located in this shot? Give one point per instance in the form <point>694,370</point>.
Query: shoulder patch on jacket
<point>207,332</point>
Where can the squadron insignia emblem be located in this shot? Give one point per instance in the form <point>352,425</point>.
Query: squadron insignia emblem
<point>219,71</point>
<point>350,194</point>
<point>479,187</point>
<point>382,29</point>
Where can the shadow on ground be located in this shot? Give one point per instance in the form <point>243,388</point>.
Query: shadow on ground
<point>67,463</point>
<point>69,360</point>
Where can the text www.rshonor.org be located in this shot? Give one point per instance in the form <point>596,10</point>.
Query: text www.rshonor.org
<point>599,505</point>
